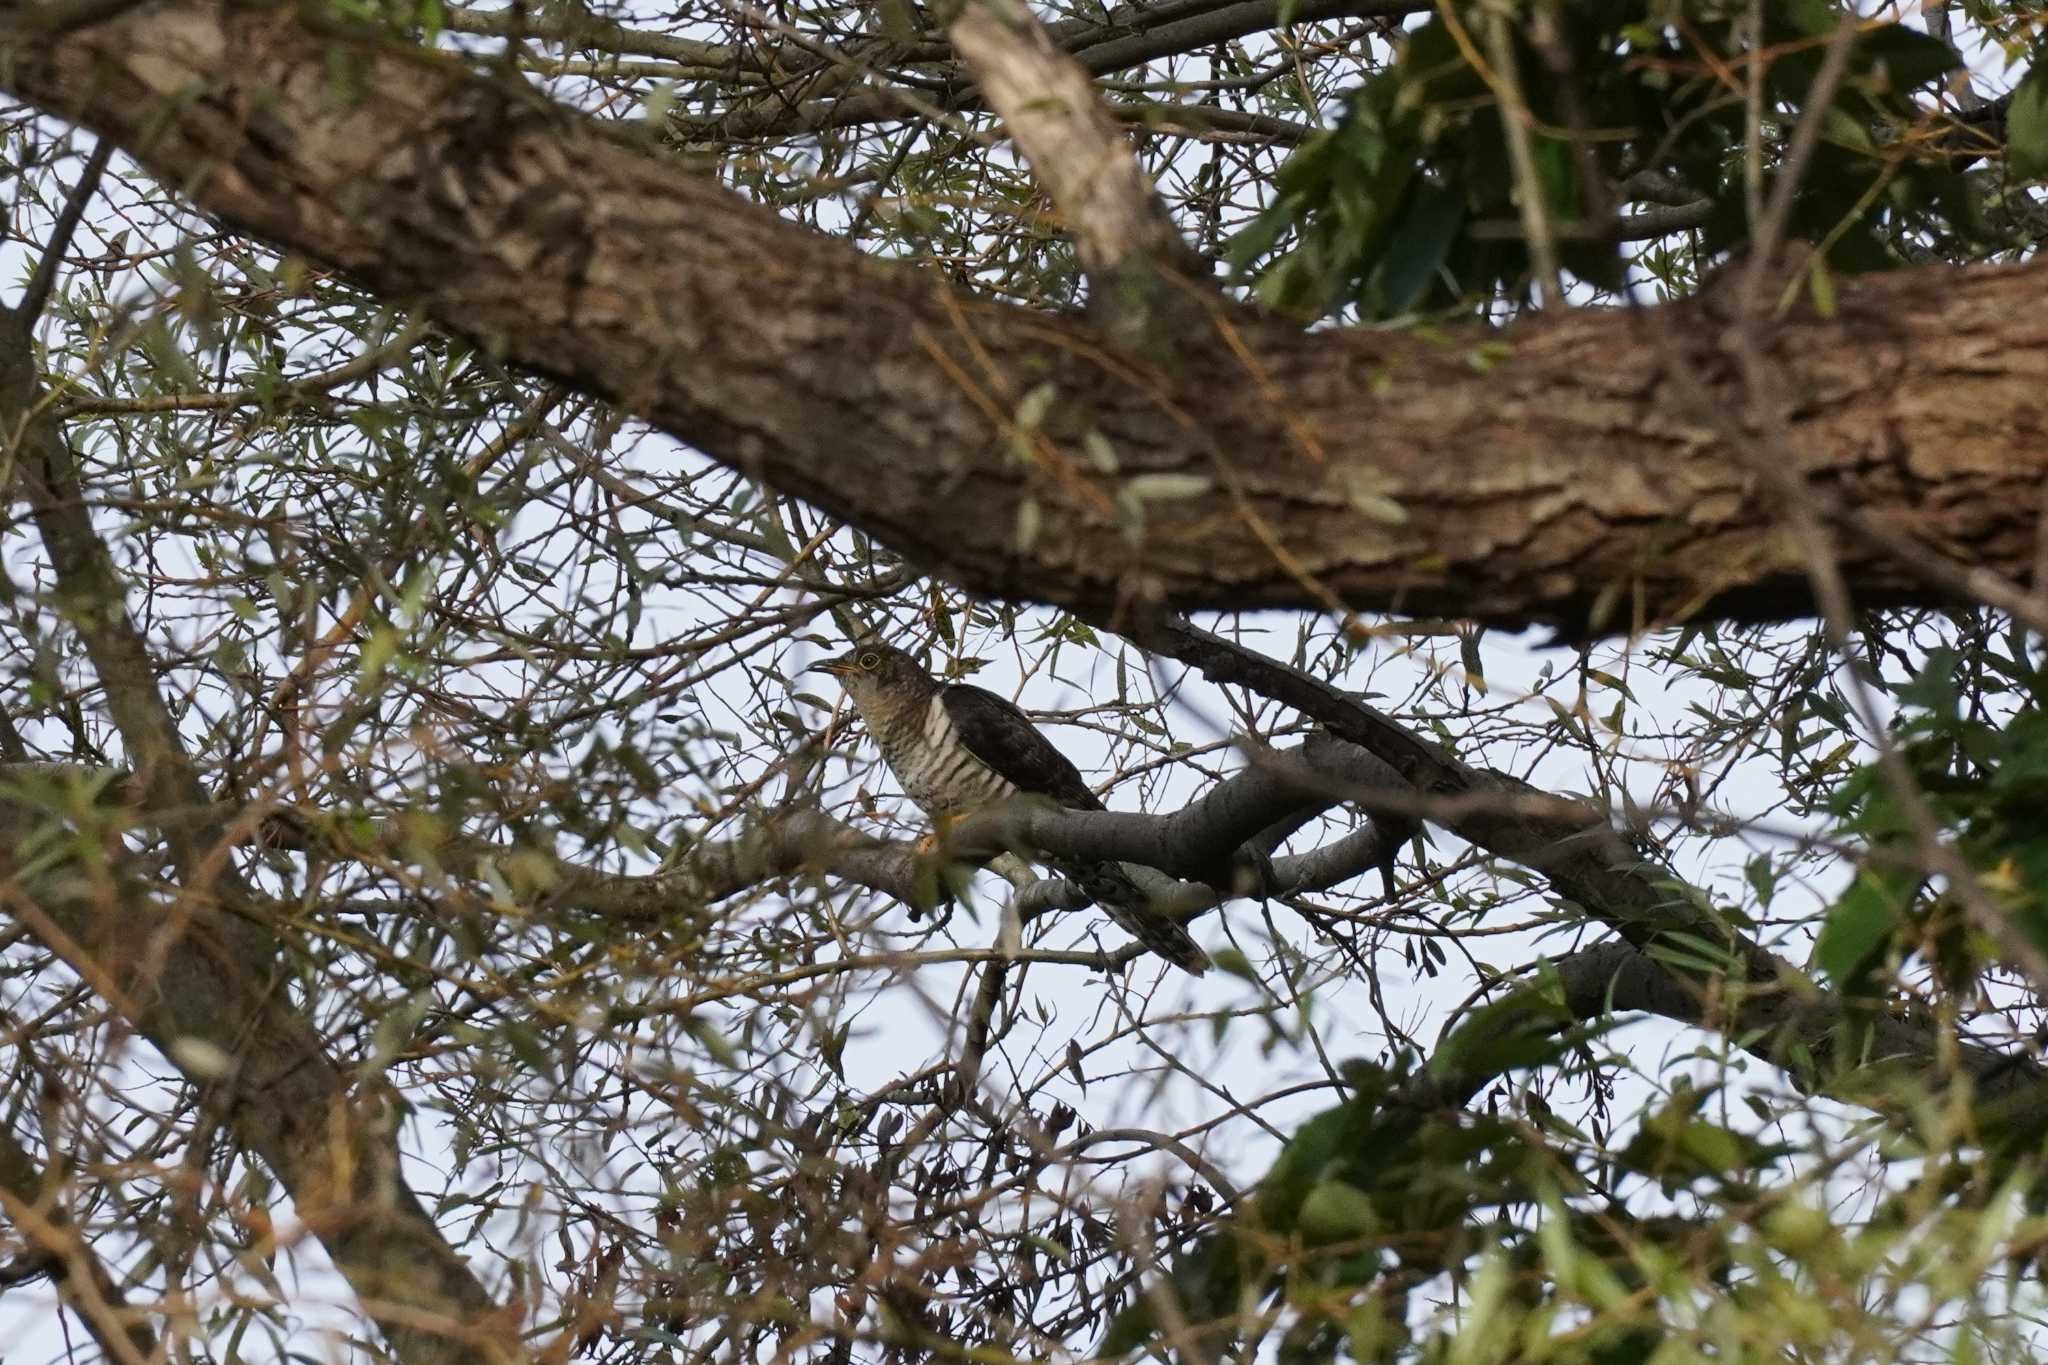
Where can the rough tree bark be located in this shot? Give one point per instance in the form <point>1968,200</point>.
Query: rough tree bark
<point>1542,473</point>
<point>1562,471</point>
<point>1565,471</point>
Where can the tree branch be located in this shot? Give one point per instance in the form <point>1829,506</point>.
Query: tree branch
<point>1852,1050</point>
<point>828,95</point>
<point>1769,1007</point>
<point>1256,466</point>
<point>1894,1061</point>
<point>1543,473</point>
<point>1138,266</point>
<point>87,1287</point>
<point>36,294</point>
<point>205,985</point>
<point>1128,36</point>
<point>1551,481</point>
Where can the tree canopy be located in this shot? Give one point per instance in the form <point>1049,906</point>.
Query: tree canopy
<point>1532,517</point>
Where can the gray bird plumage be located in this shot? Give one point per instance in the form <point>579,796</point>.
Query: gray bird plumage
<point>957,748</point>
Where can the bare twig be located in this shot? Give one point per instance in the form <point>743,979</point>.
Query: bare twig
<point>36,295</point>
<point>90,1289</point>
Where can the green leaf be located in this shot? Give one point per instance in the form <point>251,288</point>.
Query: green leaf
<point>2026,125</point>
<point>1336,1210</point>
<point>1133,1327</point>
<point>1860,927</point>
<point>1261,234</point>
<point>1675,1145</point>
<point>1234,962</point>
<point>1166,487</point>
<point>1419,244</point>
<point>1528,1028</point>
<point>899,20</point>
<point>1469,656</point>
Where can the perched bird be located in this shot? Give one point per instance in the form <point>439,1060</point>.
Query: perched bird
<point>957,749</point>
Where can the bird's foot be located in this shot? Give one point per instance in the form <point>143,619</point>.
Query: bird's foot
<point>932,880</point>
<point>929,894</point>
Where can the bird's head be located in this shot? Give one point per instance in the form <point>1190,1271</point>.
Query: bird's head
<point>872,670</point>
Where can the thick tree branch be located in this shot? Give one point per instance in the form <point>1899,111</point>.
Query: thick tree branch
<point>1138,267</point>
<point>1855,1051</point>
<point>1769,1007</point>
<point>1546,473</point>
<point>1852,1050</point>
<point>1553,478</point>
<point>201,978</point>
<point>1897,1060</point>
<point>1135,34</point>
<point>1199,842</point>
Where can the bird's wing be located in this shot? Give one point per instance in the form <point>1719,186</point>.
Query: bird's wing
<point>1004,738</point>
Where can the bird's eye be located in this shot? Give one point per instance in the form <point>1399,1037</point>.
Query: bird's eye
<point>871,661</point>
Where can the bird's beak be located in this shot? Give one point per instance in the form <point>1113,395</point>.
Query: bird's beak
<point>838,668</point>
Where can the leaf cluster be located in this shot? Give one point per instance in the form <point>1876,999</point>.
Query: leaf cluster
<point>1413,202</point>
<point>1982,772</point>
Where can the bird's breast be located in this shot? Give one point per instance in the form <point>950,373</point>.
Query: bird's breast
<point>937,769</point>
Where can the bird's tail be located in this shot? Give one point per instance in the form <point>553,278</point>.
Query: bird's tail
<point>1114,889</point>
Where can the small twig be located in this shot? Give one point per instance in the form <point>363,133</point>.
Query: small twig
<point>1770,229</point>
<point>37,294</point>
<point>57,1249</point>
<point>1515,118</point>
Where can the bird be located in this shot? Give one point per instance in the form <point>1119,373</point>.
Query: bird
<point>957,749</point>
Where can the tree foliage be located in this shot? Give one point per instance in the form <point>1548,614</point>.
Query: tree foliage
<point>445,922</point>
